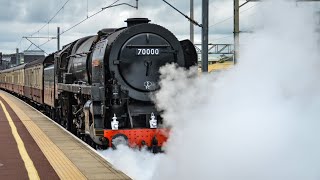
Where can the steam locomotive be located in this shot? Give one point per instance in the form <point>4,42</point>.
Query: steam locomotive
<point>99,87</point>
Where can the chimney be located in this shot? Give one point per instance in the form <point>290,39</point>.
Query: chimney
<point>17,57</point>
<point>135,21</point>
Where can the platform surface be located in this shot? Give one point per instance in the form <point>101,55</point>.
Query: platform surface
<point>34,147</point>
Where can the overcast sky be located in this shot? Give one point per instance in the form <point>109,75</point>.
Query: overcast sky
<point>20,18</point>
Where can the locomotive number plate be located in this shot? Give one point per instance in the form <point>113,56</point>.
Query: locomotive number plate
<point>147,52</point>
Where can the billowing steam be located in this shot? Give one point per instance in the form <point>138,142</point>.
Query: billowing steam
<point>258,120</point>
<point>139,165</point>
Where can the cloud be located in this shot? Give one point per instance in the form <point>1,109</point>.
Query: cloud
<point>22,18</point>
<point>9,10</point>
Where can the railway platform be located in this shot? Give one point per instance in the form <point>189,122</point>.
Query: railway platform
<point>34,147</point>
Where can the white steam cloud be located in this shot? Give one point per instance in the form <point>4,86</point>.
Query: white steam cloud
<point>258,120</point>
<point>137,164</point>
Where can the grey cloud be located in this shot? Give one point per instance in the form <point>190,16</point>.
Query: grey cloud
<point>26,17</point>
<point>9,10</point>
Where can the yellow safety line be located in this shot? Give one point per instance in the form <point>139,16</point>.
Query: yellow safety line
<point>32,171</point>
<point>60,163</point>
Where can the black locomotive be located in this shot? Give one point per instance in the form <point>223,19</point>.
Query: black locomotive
<point>101,86</point>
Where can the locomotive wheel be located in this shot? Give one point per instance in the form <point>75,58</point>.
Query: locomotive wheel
<point>102,147</point>
<point>63,123</point>
<point>73,128</point>
<point>89,141</point>
<point>92,144</point>
<point>84,138</point>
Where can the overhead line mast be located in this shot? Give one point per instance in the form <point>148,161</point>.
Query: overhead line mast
<point>204,26</point>
<point>191,24</point>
